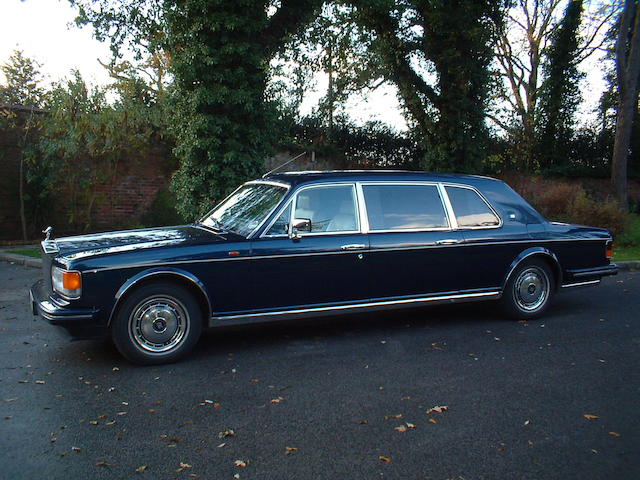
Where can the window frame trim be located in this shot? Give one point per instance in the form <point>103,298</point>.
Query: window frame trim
<point>293,199</point>
<point>252,182</point>
<point>482,197</point>
<point>448,228</point>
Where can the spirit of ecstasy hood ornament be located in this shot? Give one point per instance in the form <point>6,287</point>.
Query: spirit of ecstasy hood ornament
<point>47,231</point>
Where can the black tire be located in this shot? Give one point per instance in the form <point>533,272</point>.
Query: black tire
<point>157,323</point>
<point>529,291</point>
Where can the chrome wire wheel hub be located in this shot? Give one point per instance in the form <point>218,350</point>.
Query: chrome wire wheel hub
<point>158,324</point>
<point>531,289</point>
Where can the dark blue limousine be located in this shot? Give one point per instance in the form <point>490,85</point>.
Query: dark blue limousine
<point>315,243</point>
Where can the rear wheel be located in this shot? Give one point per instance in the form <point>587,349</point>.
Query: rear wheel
<point>158,323</point>
<point>529,290</point>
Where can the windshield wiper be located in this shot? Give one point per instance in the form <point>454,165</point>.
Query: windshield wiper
<point>213,224</point>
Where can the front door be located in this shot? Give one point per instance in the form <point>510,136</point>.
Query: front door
<point>322,264</point>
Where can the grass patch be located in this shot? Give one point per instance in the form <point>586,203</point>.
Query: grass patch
<point>27,252</point>
<point>622,254</point>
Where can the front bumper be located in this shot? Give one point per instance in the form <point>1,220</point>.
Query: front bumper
<point>79,322</point>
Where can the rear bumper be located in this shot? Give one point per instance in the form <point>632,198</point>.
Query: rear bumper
<point>79,322</point>
<point>588,276</point>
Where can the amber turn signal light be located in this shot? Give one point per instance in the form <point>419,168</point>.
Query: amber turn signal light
<point>71,280</point>
<point>609,249</point>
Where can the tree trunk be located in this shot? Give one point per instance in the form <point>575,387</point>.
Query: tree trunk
<point>628,69</point>
<point>23,218</point>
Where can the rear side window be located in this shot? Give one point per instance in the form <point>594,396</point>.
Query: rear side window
<point>404,207</point>
<point>470,208</point>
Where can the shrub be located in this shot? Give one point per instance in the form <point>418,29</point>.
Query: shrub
<point>568,201</point>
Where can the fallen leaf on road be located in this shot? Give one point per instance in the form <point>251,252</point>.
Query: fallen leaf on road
<point>527,422</point>
<point>363,422</point>
<point>75,449</point>
<point>121,414</point>
<point>410,425</point>
<point>93,422</point>
<point>185,465</point>
<point>221,445</point>
<point>240,463</point>
<point>227,433</point>
<point>385,459</point>
<point>140,469</point>
<point>433,420</point>
<point>589,416</point>
<point>615,434</point>
<point>401,429</point>
<point>438,409</point>
<point>277,400</point>
<point>289,450</point>
<point>397,415</point>
<point>40,382</point>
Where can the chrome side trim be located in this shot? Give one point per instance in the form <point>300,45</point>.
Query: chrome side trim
<point>452,298</point>
<point>413,247</point>
<point>581,284</point>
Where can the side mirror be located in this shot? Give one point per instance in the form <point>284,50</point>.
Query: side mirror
<point>299,225</point>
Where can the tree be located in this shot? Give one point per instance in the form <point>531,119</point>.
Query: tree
<point>560,92</point>
<point>221,52</point>
<point>23,88</point>
<point>24,81</point>
<point>520,45</point>
<point>437,54</point>
<point>627,72</point>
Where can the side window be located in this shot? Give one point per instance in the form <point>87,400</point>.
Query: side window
<point>470,209</point>
<point>330,208</point>
<point>404,207</point>
<point>281,225</point>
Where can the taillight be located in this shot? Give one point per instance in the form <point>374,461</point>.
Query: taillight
<point>609,251</point>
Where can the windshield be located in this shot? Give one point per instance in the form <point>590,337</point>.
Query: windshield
<point>247,208</point>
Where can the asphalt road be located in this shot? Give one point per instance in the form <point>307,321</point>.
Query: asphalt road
<point>344,398</point>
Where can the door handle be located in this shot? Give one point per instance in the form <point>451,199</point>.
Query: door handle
<point>353,246</point>
<point>448,241</point>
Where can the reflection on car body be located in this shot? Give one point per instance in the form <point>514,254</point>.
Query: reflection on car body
<point>316,243</point>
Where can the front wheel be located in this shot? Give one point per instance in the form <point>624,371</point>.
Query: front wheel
<point>529,290</point>
<point>158,323</point>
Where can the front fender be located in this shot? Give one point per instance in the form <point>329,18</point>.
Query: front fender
<point>529,253</point>
<point>159,272</point>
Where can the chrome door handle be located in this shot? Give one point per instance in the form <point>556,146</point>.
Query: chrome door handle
<point>353,246</point>
<point>448,241</point>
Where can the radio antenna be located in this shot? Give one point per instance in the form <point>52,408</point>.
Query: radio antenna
<point>283,165</point>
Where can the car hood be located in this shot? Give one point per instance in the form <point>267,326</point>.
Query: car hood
<point>83,246</point>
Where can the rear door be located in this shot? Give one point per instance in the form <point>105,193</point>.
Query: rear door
<point>413,248</point>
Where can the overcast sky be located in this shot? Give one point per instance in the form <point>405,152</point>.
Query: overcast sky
<point>44,31</point>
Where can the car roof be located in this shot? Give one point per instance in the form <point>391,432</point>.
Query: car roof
<point>296,178</point>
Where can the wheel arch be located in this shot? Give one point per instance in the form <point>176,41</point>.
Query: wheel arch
<point>179,276</point>
<point>536,252</point>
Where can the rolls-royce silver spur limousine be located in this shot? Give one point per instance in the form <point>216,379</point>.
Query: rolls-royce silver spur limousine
<point>304,244</point>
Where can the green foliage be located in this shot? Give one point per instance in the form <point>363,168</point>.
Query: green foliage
<point>630,237</point>
<point>162,211</point>
<point>220,52</point>
<point>220,119</point>
<point>80,144</point>
<point>560,91</point>
<point>23,81</point>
